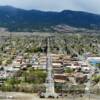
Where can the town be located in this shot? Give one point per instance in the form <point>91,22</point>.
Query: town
<point>49,65</point>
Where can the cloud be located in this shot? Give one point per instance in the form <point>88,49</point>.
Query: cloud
<point>56,5</point>
<point>89,5</point>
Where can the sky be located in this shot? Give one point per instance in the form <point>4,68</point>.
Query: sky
<point>56,5</point>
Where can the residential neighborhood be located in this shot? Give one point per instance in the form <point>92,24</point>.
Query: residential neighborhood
<point>31,62</point>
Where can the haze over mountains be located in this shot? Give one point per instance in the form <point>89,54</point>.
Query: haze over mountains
<point>15,19</point>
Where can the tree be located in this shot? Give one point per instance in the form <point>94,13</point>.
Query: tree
<point>98,65</point>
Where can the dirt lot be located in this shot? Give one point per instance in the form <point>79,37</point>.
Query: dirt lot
<point>26,96</point>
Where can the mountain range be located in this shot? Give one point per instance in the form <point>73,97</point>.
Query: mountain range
<point>15,19</point>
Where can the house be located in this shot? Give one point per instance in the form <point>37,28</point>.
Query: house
<point>60,78</point>
<point>73,65</point>
<point>84,66</point>
<point>39,66</point>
